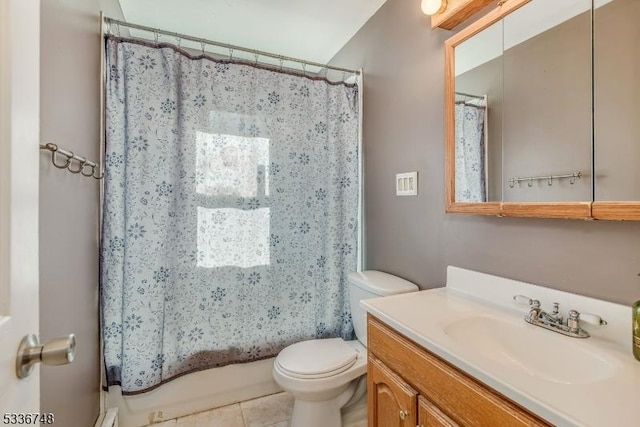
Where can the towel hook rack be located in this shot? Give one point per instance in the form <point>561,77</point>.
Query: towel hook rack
<point>573,176</point>
<point>85,167</point>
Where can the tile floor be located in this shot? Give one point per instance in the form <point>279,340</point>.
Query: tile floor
<point>268,411</point>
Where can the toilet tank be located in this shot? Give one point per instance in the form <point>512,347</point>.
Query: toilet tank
<point>372,284</point>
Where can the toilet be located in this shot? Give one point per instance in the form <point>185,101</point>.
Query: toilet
<point>326,375</point>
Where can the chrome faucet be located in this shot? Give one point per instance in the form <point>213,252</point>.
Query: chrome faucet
<point>534,305</point>
<point>554,321</point>
<point>554,317</point>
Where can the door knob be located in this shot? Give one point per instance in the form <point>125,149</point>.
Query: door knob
<point>58,351</point>
<point>404,414</point>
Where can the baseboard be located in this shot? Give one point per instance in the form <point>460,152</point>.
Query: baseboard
<point>108,419</point>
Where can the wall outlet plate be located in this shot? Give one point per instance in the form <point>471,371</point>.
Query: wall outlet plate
<point>407,184</point>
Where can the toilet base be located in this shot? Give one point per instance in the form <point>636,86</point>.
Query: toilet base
<point>315,414</point>
<point>323,413</point>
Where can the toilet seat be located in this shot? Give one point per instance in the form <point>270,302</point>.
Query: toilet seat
<point>314,359</point>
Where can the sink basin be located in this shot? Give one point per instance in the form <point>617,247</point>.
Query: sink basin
<point>530,349</point>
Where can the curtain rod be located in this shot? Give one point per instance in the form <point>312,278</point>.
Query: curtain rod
<point>226,45</point>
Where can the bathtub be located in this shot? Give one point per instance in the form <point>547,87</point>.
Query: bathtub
<point>193,393</point>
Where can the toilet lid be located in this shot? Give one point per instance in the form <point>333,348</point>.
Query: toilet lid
<point>317,358</point>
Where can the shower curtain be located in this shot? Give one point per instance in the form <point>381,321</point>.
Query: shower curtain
<point>230,211</point>
<point>470,178</point>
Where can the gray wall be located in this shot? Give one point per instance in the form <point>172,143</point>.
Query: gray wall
<point>69,116</point>
<point>403,61</point>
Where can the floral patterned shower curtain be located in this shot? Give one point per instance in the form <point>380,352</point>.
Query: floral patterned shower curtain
<point>230,212</point>
<point>470,167</point>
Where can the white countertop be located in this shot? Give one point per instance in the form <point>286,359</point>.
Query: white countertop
<point>610,398</point>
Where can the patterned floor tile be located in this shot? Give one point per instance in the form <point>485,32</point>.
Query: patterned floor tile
<point>267,411</point>
<point>226,416</point>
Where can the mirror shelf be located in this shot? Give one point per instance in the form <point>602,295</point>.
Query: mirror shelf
<point>562,210</point>
<point>616,211</point>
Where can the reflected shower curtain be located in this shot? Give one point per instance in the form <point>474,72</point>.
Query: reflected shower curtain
<point>470,153</point>
<point>230,212</point>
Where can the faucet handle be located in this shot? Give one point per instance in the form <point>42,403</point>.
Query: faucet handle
<point>525,300</point>
<point>573,322</point>
<point>592,319</point>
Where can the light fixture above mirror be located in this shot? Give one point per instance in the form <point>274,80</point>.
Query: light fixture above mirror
<point>448,14</point>
<point>431,7</point>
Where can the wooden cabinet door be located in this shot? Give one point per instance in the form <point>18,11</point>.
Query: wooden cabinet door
<point>392,402</point>
<point>430,416</point>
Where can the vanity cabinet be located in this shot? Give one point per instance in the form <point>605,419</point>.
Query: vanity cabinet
<point>430,416</point>
<point>403,376</point>
<point>392,401</point>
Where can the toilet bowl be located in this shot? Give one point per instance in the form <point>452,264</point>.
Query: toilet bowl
<point>323,383</point>
<point>326,375</point>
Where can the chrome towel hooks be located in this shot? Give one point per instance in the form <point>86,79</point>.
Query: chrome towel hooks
<point>549,178</point>
<point>83,166</point>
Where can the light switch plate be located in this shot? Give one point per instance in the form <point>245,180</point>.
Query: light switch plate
<point>407,184</point>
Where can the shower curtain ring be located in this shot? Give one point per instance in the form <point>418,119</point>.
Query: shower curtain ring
<point>53,160</point>
<point>202,46</point>
<point>156,36</point>
<point>572,180</point>
<point>82,161</point>
<point>230,53</point>
<point>550,182</point>
<point>90,172</point>
<point>530,182</point>
<point>281,63</point>
<point>255,55</point>
<point>304,69</point>
<point>512,183</point>
<point>94,173</point>
<point>51,146</point>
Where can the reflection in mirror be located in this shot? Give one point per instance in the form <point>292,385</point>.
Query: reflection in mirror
<point>617,100</point>
<point>546,104</point>
<point>471,151</point>
<point>478,136</point>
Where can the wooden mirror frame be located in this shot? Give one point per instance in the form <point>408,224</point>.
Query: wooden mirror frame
<point>574,210</point>
<point>616,211</point>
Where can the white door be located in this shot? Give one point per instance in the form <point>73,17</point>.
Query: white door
<point>19,160</point>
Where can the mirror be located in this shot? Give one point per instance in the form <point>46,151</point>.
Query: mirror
<point>473,115</point>
<point>478,116</point>
<point>616,35</point>
<point>546,126</point>
<point>617,100</point>
<point>519,111</point>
